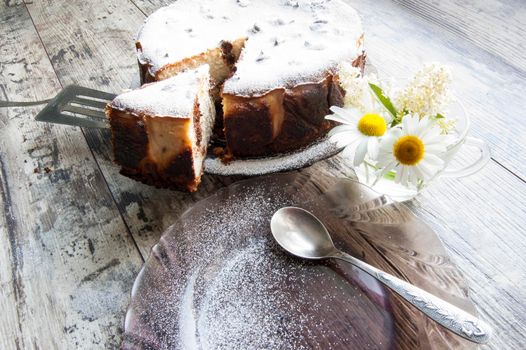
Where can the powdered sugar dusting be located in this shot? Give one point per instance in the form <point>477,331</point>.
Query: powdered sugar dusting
<point>242,304</point>
<point>240,309</point>
<point>171,97</point>
<point>289,42</point>
<point>322,149</point>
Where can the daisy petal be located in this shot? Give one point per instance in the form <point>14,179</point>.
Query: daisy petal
<point>396,132</point>
<point>428,170</point>
<point>429,132</point>
<point>341,129</point>
<point>338,118</point>
<point>389,139</point>
<point>405,125</point>
<point>342,140</point>
<point>373,147</point>
<point>351,113</point>
<point>361,150</point>
<point>410,177</point>
<point>383,162</point>
<point>348,151</point>
<point>436,148</point>
<point>369,100</point>
<point>414,123</point>
<point>387,116</point>
<point>423,127</point>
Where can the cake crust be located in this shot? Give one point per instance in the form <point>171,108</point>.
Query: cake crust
<point>133,151</point>
<point>129,138</point>
<point>248,121</point>
<point>292,119</point>
<point>252,123</point>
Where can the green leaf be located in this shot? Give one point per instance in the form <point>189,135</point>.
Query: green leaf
<point>386,101</point>
<point>439,116</point>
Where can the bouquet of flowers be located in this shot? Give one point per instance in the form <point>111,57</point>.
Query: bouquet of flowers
<point>399,133</point>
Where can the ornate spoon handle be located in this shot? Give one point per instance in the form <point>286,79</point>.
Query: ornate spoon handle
<point>446,314</point>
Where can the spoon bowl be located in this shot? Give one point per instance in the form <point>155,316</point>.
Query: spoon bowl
<point>301,233</point>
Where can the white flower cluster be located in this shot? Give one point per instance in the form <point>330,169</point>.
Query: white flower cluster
<point>358,94</point>
<point>427,93</point>
<point>352,81</point>
<point>394,131</point>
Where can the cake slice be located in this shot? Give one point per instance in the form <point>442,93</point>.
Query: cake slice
<point>161,131</point>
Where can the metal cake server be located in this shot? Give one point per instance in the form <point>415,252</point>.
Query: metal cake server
<point>75,105</point>
<point>300,233</point>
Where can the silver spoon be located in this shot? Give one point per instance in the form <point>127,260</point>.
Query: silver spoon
<point>302,234</point>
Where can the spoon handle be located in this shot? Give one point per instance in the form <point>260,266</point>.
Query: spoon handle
<point>439,310</point>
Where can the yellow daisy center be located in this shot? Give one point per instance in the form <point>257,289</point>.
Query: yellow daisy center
<point>372,124</point>
<point>409,150</point>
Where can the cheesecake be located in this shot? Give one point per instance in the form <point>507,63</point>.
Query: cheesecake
<point>161,131</point>
<point>256,77</point>
<point>273,64</point>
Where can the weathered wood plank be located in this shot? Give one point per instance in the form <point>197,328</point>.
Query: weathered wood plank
<point>496,26</point>
<point>67,261</point>
<point>9,276</point>
<point>398,42</point>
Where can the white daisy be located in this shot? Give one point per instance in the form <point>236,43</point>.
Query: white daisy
<point>360,130</point>
<point>413,150</point>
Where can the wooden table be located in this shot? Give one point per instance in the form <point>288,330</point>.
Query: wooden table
<point>74,233</point>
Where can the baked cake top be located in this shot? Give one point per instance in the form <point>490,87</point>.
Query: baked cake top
<point>172,97</point>
<point>289,42</point>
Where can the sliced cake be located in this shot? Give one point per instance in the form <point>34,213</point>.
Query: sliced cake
<point>161,131</point>
<point>276,60</point>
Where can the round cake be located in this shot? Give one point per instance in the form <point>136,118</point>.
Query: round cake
<point>273,64</point>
